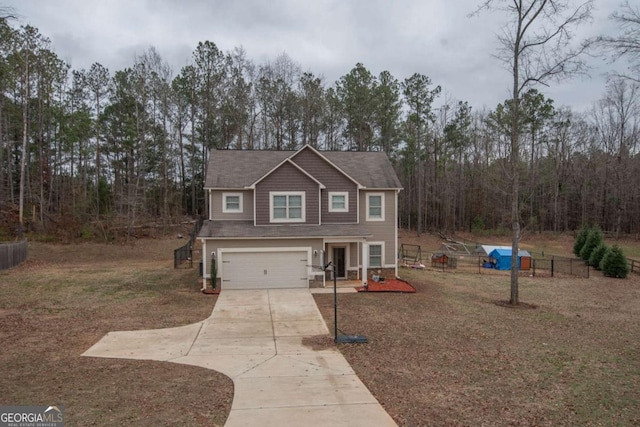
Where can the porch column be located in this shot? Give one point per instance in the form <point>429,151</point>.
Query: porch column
<point>365,262</point>
<point>204,264</point>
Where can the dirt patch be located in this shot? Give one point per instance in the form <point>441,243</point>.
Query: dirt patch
<point>66,297</point>
<point>318,342</point>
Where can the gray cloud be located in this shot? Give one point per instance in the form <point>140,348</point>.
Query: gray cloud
<point>435,38</point>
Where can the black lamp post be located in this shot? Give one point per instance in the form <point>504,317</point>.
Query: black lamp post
<point>340,339</point>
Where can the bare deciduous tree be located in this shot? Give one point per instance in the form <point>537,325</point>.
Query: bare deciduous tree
<point>627,43</point>
<point>537,46</point>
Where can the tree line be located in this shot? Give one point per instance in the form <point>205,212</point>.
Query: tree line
<point>89,150</point>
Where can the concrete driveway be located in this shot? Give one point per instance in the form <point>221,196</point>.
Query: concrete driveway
<point>255,338</point>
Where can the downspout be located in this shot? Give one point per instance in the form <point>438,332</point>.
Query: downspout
<point>395,243</point>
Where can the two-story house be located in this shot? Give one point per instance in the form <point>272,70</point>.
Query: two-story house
<point>275,216</point>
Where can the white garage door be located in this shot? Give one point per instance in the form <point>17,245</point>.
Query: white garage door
<point>264,270</point>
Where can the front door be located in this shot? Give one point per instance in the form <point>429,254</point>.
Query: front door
<point>339,260</point>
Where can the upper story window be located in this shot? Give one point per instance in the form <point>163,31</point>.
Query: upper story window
<point>287,206</point>
<point>375,207</point>
<point>338,201</point>
<point>232,202</point>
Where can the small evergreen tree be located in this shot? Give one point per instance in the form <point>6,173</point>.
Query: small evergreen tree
<point>597,254</point>
<point>580,239</point>
<point>593,240</point>
<point>614,263</point>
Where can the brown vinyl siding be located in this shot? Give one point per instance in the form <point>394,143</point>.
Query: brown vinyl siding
<point>382,231</point>
<point>217,202</point>
<point>334,181</point>
<point>287,178</point>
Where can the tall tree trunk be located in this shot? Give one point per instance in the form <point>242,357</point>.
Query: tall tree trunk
<point>2,149</point>
<point>515,171</point>
<point>23,160</point>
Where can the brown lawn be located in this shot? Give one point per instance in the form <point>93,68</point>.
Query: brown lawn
<point>453,355</point>
<point>66,297</point>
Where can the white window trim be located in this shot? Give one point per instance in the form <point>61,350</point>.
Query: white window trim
<point>346,201</point>
<point>382,202</point>
<point>272,194</point>
<point>224,203</point>
<point>381,244</point>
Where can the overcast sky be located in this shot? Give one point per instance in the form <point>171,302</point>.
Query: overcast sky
<point>327,37</point>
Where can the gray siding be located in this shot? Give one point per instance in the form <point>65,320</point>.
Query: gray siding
<point>353,252</point>
<point>287,178</point>
<point>333,180</point>
<point>382,231</point>
<point>247,205</point>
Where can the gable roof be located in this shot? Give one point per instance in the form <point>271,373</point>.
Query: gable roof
<point>288,160</point>
<point>506,252</point>
<point>325,159</point>
<point>229,169</point>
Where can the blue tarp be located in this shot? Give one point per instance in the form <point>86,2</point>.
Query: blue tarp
<point>502,258</point>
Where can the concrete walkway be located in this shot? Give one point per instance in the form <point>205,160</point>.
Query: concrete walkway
<point>255,338</point>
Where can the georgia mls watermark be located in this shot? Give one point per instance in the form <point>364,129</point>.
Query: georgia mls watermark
<point>31,416</point>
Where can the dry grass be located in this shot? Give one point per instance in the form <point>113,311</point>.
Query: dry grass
<point>453,354</point>
<point>66,297</point>
<point>450,354</point>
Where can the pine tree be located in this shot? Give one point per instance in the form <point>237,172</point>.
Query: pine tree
<point>614,263</point>
<point>593,240</point>
<point>597,254</point>
<point>581,238</point>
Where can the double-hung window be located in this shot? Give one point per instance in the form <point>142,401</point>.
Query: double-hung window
<point>338,201</point>
<point>232,203</point>
<point>287,206</point>
<point>375,207</point>
<point>375,255</point>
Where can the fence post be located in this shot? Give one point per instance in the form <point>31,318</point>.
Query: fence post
<point>533,267</point>
<point>552,265</point>
<point>571,266</point>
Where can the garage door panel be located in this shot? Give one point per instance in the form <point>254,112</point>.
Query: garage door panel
<point>263,270</point>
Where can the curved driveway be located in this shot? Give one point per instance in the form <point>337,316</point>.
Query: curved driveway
<point>255,338</point>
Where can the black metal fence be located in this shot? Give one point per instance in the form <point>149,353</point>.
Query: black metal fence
<point>184,254</point>
<point>560,265</point>
<point>12,254</point>
<point>548,266</point>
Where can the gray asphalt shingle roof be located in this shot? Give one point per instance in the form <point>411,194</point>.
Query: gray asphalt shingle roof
<point>241,168</point>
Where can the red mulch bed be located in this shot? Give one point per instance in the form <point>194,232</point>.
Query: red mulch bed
<point>393,285</point>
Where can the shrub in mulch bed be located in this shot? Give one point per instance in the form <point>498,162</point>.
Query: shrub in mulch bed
<point>393,285</point>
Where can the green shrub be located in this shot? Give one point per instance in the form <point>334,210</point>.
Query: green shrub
<point>580,239</point>
<point>597,254</point>
<point>593,240</point>
<point>614,263</point>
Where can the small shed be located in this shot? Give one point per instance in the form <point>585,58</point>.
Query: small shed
<point>485,250</point>
<point>502,258</point>
<point>439,258</point>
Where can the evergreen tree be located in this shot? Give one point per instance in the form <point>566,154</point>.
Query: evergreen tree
<point>597,254</point>
<point>581,238</point>
<point>614,263</point>
<point>593,240</point>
